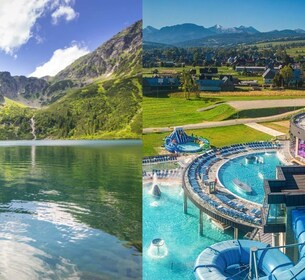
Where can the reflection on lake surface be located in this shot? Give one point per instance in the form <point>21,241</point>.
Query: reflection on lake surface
<point>70,210</point>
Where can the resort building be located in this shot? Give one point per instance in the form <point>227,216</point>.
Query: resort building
<point>269,75</point>
<point>158,83</point>
<point>297,77</point>
<point>283,196</point>
<point>224,84</point>
<point>208,73</point>
<point>250,69</point>
<point>297,138</point>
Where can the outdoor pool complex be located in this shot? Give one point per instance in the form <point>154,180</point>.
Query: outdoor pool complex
<point>249,173</point>
<point>164,218</point>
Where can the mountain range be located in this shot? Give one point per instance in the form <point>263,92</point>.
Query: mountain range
<point>188,34</point>
<point>97,96</point>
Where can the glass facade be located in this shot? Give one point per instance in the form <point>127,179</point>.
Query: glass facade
<point>292,144</point>
<point>276,214</point>
<point>301,148</point>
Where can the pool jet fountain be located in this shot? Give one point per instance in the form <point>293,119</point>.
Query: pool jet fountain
<point>155,191</point>
<point>250,159</point>
<point>158,249</point>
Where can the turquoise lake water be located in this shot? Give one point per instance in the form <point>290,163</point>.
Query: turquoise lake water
<point>164,218</point>
<point>70,210</point>
<point>253,174</point>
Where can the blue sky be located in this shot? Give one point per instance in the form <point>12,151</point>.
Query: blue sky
<point>265,15</point>
<point>39,36</point>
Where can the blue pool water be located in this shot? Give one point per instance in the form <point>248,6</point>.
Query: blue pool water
<point>164,218</point>
<point>189,147</point>
<point>253,174</point>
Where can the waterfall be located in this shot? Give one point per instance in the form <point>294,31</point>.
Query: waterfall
<point>33,127</point>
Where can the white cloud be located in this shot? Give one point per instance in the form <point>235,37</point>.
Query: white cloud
<point>60,59</point>
<point>18,17</point>
<point>65,12</point>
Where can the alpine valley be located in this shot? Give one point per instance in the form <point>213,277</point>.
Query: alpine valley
<point>98,96</point>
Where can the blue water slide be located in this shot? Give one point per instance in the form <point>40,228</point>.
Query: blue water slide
<point>214,262</point>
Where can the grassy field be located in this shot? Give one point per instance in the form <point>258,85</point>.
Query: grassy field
<point>279,43</point>
<point>218,136</point>
<point>177,111</point>
<point>282,126</point>
<point>173,109</point>
<point>253,95</point>
<point>292,51</point>
<point>11,102</point>
<point>263,112</point>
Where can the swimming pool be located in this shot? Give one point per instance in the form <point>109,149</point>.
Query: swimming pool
<point>250,170</point>
<point>164,218</point>
<point>189,147</point>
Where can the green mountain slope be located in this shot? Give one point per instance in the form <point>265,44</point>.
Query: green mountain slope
<point>15,121</point>
<point>97,97</point>
<point>100,110</point>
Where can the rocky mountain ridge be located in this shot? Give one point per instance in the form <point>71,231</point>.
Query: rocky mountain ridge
<point>188,35</point>
<point>119,56</point>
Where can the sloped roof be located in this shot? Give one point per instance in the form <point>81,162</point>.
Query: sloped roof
<point>269,74</point>
<point>210,83</point>
<point>154,82</point>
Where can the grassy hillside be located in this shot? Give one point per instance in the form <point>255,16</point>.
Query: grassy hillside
<point>110,109</point>
<point>107,110</point>
<point>15,121</point>
<point>173,109</point>
<point>99,96</point>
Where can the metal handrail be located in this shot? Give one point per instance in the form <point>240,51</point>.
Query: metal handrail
<point>294,276</point>
<point>253,269</point>
<point>283,246</point>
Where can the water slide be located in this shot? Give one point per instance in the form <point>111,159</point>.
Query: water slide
<point>179,141</point>
<point>215,262</point>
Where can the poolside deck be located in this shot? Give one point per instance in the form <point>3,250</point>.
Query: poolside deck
<point>225,206</point>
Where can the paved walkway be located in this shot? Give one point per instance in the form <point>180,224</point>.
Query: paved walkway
<point>256,104</point>
<point>220,123</point>
<point>210,107</point>
<point>265,129</point>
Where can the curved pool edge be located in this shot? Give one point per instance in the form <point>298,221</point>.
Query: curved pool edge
<point>235,157</point>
